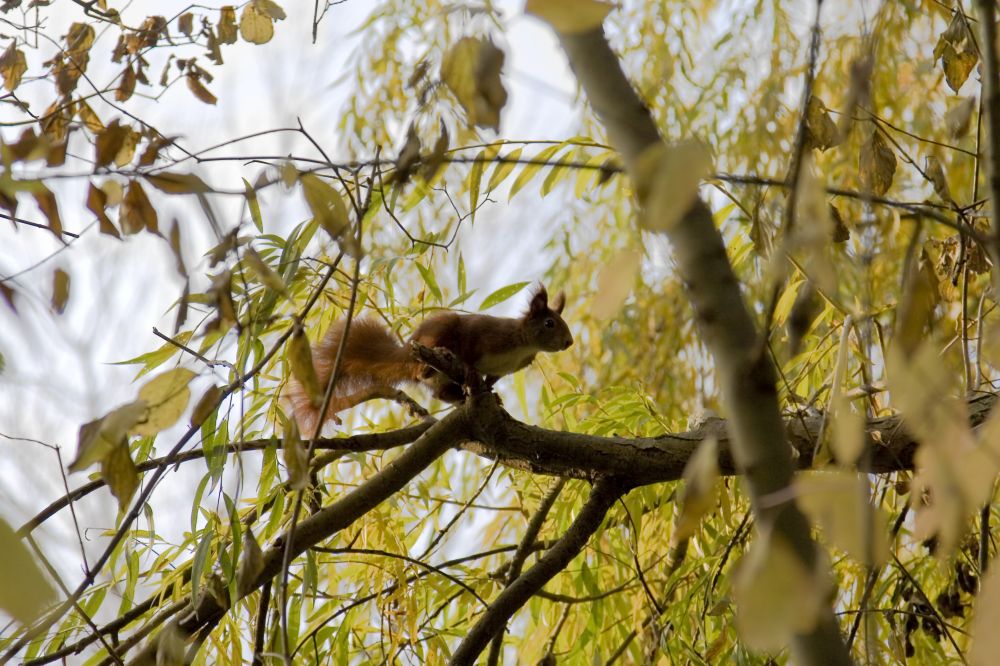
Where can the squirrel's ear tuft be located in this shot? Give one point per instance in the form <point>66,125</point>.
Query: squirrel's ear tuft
<point>559,302</point>
<point>540,301</point>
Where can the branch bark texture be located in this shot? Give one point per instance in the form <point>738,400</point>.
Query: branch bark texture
<point>760,446</point>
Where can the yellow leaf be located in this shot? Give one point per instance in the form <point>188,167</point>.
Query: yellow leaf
<point>700,489</point>
<point>294,453</point>
<point>127,149</point>
<point>330,211</point>
<point>167,396</point>
<point>256,27</point>
<point>934,171</point>
<point>120,473</point>
<point>60,290</point>
<point>837,502</point>
<point>776,595</point>
<point>24,591</point>
<point>848,433</point>
<point>251,563</point>
<point>615,282</point>
<point>300,360</point>
<point>570,16</point>
<point>471,70</point>
<point>13,65</point>
<point>667,182</point>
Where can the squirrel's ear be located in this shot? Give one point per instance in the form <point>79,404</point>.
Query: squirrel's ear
<point>559,302</point>
<point>540,301</point>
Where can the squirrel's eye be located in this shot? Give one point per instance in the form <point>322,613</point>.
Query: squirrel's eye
<point>550,323</point>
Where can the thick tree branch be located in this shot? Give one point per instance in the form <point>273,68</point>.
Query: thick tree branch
<point>604,494</point>
<point>991,104</point>
<point>747,378</point>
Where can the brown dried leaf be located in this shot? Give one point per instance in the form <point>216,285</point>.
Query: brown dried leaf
<point>13,65</point>
<point>957,65</point>
<point>46,201</point>
<point>120,473</point>
<point>841,234</point>
<point>267,276</point>
<point>227,25</point>
<point>821,131</point>
<point>200,91</point>
<point>97,201</point>
<point>60,290</point>
<point>8,296</point>
<point>127,85</point>
<point>167,397</point>
<point>88,117</point>
<point>175,247</point>
<point>109,142</point>
<point>876,165</point>
<point>185,24</point>
<point>177,183</point>
<point>206,404</point>
<point>916,306</point>
<point>136,212</point>
<point>98,438</point>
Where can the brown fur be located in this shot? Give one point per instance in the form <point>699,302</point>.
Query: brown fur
<point>374,361</point>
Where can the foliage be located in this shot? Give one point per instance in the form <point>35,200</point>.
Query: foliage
<point>845,168</point>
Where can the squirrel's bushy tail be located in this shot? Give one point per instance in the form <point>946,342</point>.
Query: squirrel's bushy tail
<point>372,358</point>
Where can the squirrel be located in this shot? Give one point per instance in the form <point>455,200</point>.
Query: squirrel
<point>373,358</point>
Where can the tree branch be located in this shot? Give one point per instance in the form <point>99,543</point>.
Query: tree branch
<point>747,379</point>
<point>603,496</point>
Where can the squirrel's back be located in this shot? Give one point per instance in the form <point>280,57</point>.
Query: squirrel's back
<point>372,357</point>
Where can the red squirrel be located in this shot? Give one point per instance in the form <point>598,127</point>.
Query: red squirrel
<point>374,359</point>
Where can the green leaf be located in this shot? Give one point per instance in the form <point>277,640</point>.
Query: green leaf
<point>504,168</point>
<point>198,564</point>
<point>502,294</point>
<point>253,205</point>
<point>531,170</point>
<point>475,180</point>
<point>428,275</point>
<point>153,359</point>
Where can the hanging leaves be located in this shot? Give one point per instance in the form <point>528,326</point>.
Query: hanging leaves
<point>177,183</point>
<point>701,488</point>
<point>471,70</point>
<point>838,503</point>
<point>226,27</point>
<point>327,205</point>
<point>876,165</point>
<point>295,455</point>
<point>198,88</point>
<point>958,117</point>
<point>300,359</point>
